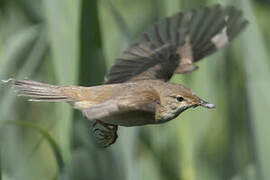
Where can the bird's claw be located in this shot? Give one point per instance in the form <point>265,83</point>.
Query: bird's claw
<point>106,134</point>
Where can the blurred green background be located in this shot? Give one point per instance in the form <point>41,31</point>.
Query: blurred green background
<point>76,41</point>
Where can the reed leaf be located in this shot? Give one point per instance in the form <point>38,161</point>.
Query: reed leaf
<point>62,19</point>
<point>54,146</point>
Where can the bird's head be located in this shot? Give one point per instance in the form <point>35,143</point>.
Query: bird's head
<point>174,99</point>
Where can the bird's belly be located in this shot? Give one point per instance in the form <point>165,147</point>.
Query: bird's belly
<point>134,118</point>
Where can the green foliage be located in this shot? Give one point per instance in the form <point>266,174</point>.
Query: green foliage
<point>56,150</point>
<point>75,42</point>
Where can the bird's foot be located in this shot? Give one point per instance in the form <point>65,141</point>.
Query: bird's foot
<point>105,134</point>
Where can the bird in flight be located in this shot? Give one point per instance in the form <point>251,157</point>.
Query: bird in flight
<point>136,90</point>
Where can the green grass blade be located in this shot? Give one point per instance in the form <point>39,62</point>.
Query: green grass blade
<point>0,162</point>
<point>31,8</point>
<point>32,62</point>
<point>256,61</point>
<point>63,25</point>
<point>119,20</point>
<point>62,18</point>
<point>54,146</point>
<point>93,65</point>
<point>15,47</point>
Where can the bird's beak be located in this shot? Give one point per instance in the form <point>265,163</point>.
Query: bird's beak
<point>206,104</point>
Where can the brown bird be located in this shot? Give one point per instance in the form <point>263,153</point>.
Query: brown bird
<point>136,90</point>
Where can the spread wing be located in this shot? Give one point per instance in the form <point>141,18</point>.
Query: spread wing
<point>172,45</point>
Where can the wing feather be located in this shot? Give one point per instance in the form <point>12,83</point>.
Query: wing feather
<point>172,45</point>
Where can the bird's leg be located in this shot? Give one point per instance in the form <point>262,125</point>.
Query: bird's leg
<point>106,134</point>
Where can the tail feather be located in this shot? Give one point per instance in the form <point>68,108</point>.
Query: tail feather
<point>37,91</point>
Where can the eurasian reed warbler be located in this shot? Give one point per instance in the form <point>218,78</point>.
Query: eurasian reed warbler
<point>136,90</point>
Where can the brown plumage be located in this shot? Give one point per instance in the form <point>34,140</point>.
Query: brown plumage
<point>136,91</point>
<point>152,98</point>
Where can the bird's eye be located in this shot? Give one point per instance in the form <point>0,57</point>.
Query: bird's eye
<point>180,98</point>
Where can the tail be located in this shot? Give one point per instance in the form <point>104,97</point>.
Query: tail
<point>37,91</point>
